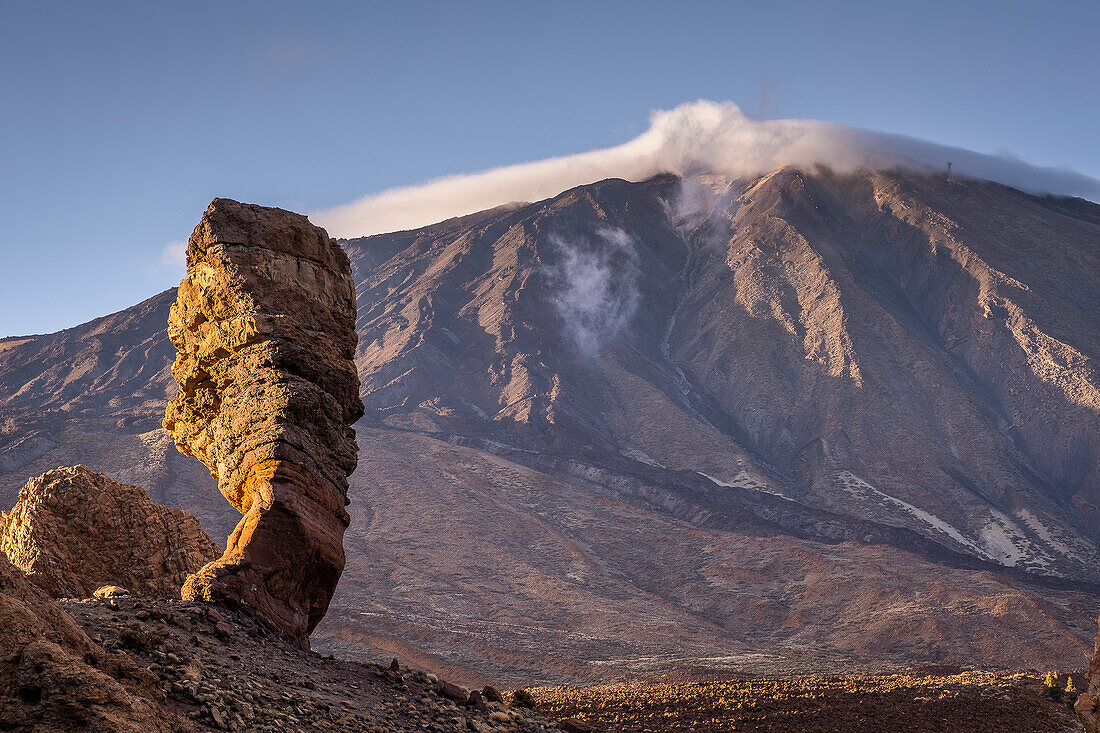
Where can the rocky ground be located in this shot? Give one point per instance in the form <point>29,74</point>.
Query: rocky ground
<point>220,670</point>
<point>970,702</point>
<point>224,671</point>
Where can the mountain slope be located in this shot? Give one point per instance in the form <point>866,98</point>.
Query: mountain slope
<point>761,424</point>
<point>878,346</point>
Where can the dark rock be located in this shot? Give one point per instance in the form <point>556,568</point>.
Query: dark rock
<point>454,692</point>
<point>477,701</point>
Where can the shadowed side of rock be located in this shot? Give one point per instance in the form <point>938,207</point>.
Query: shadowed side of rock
<point>264,327</point>
<point>53,678</point>
<point>74,530</point>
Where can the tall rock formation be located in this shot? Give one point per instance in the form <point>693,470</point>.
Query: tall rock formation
<point>74,530</point>
<point>264,326</point>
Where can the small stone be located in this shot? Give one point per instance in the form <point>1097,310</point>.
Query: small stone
<point>111,591</point>
<point>218,717</point>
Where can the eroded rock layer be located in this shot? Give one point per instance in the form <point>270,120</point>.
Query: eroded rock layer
<point>74,530</point>
<point>264,327</point>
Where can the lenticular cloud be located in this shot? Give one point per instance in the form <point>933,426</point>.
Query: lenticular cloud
<point>699,137</point>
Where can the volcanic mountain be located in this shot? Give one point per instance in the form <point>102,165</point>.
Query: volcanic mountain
<point>787,422</point>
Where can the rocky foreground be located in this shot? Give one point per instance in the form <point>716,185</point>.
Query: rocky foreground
<point>221,670</point>
<point>215,669</point>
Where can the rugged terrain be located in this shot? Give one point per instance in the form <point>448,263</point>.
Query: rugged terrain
<point>914,701</point>
<point>217,669</point>
<point>775,424</point>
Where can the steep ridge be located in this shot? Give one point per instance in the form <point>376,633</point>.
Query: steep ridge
<point>801,420</point>
<point>791,343</point>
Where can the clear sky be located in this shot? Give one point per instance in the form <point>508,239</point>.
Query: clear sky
<point>120,121</point>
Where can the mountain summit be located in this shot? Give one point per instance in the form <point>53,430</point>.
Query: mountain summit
<point>763,423</point>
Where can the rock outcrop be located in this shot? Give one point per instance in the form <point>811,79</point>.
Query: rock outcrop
<point>264,327</point>
<point>54,678</point>
<point>1087,705</point>
<point>74,530</point>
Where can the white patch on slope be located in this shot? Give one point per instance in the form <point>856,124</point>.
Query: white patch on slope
<point>1079,552</point>
<point>859,488</point>
<point>1001,539</point>
<point>697,137</point>
<point>744,480</point>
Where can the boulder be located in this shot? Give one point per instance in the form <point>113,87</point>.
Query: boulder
<point>453,692</point>
<point>111,591</point>
<point>264,328</point>
<point>73,531</point>
<point>1087,705</point>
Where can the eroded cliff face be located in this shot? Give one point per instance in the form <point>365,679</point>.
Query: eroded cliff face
<point>74,530</point>
<point>264,326</point>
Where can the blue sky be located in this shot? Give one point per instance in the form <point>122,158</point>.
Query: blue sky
<point>120,121</point>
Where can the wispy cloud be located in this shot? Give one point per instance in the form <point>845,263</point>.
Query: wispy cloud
<point>174,255</point>
<point>700,136</point>
<point>595,286</point>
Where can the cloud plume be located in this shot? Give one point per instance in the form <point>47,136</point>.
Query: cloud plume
<point>697,137</point>
<point>595,286</point>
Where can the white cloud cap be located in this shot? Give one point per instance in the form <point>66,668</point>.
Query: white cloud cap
<point>696,137</point>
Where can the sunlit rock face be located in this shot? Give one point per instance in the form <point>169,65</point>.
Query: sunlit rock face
<point>74,530</point>
<point>264,327</point>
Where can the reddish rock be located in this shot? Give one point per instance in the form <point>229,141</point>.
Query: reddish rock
<point>477,702</point>
<point>264,327</point>
<point>1087,706</point>
<point>73,531</point>
<point>492,694</point>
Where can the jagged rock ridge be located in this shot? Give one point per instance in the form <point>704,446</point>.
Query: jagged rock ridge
<point>264,327</point>
<point>74,530</point>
